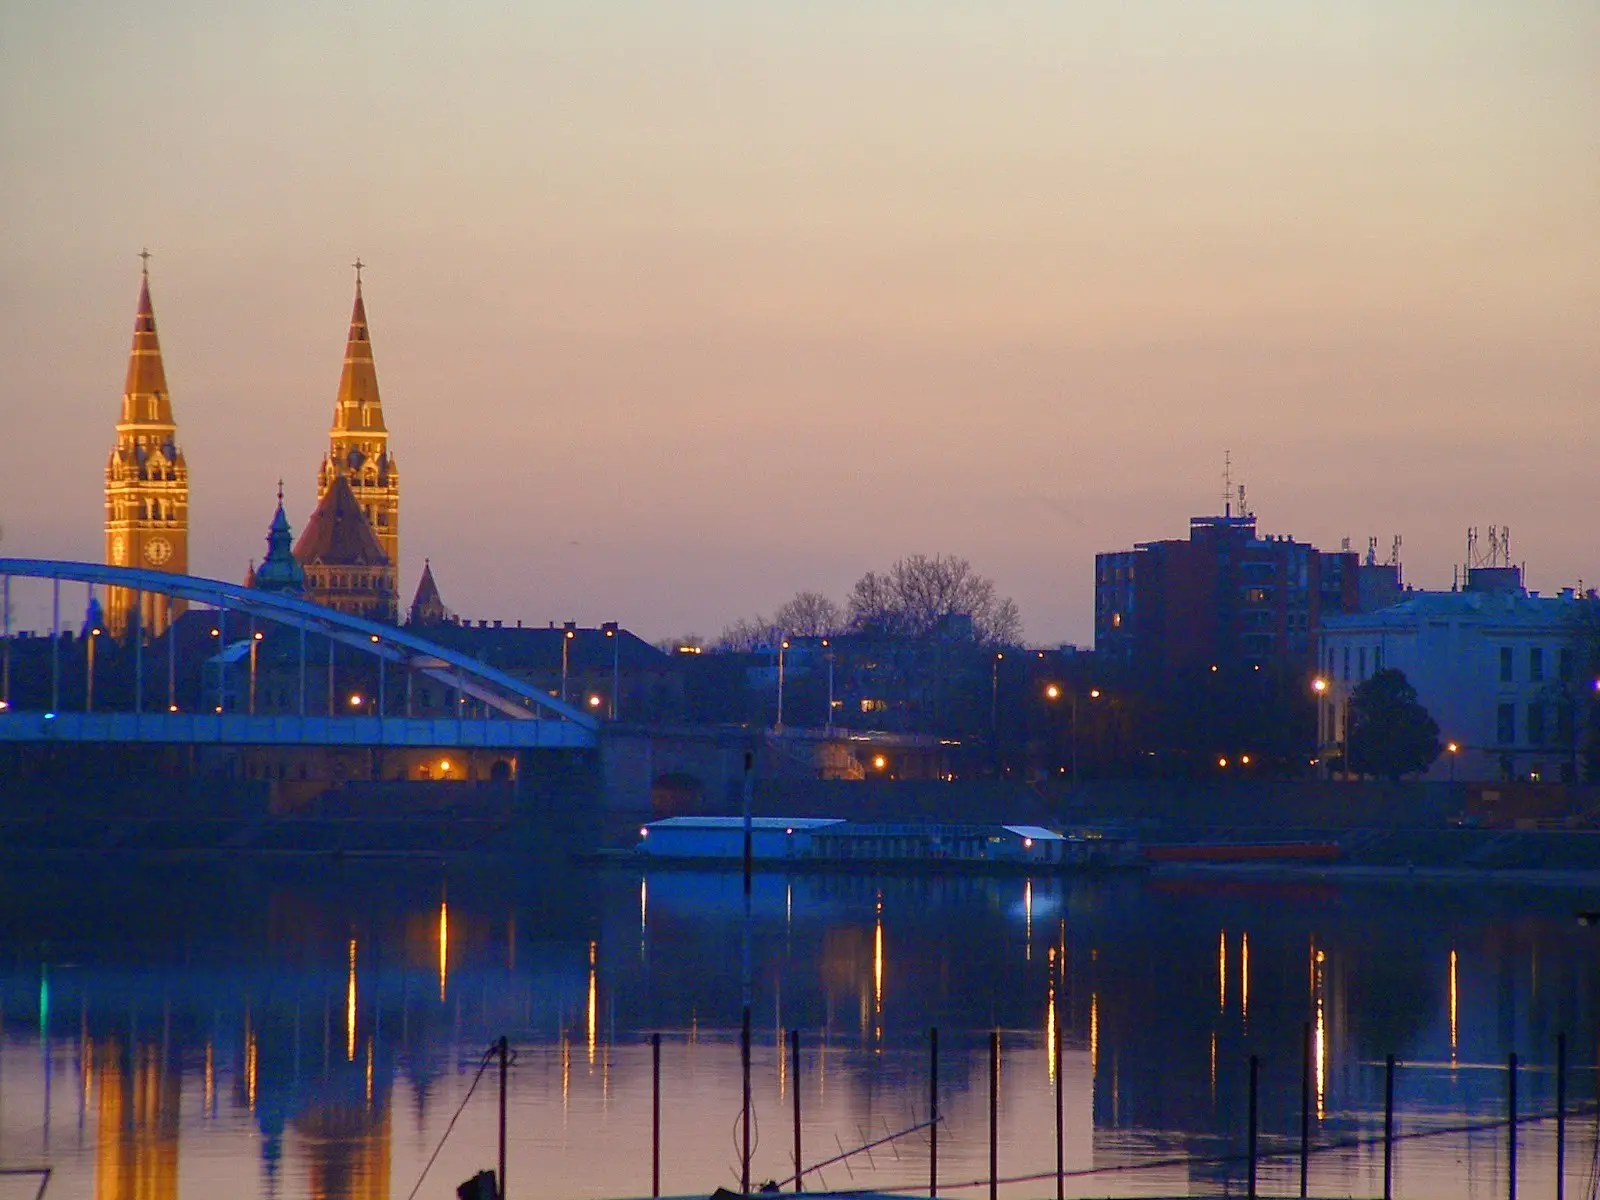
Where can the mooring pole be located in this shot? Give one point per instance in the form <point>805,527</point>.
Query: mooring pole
<point>1255,1075</point>
<point>933,1113</point>
<point>1561,1116</point>
<point>655,1114</point>
<point>1388,1128</point>
<point>1061,1146</point>
<point>1511,1127</point>
<point>794,1082</point>
<point>744,1033</point>
<point>1305,1104</point>
<point>505,1062</point>
<point>744,1154</point>
<point>994,1115</point>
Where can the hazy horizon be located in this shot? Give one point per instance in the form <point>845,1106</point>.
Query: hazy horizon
<point>678,310</point>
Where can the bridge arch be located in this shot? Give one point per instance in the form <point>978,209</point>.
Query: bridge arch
<point>508,696</point>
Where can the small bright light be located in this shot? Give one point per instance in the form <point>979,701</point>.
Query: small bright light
<point>1094,693</point>
<point>880,762</point>
<point>259,636</point>
<point>216,633</point>
<point>49,716</point>
<point>1245,759</point>
<point>1319,684</point>
<point>1213,667</point>
<point>4,705</point>
<point>789,831</point>
<point>1222,762</point>
<point>355,700</point>
<point>1053,692</point>
<point>172,708</point>
<point>594,701</point>
<point>95,632</point>
<point>444,764</point>
<point>1027,843</point>
<point>219,708</point>
<point>611,633</point>
<point>571,634</point>
<point>1453,748</point>
<point>643,832</point>
<point>374,637</point>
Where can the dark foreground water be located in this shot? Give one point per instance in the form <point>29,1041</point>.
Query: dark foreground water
<point>206,1031</point>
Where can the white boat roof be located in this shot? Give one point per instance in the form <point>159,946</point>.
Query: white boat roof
<point>738,822</point>
<point>1037,832</point>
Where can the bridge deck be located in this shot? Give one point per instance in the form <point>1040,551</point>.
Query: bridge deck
<point>237,729</point>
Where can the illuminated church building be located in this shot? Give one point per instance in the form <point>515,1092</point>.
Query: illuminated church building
<point>350,548</point>
<point>147,485</point>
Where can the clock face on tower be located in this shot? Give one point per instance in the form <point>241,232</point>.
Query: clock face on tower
<point>158,550</point>
<point>119,551</point>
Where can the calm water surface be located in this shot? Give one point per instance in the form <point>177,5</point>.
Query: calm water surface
<point>182,1031</point>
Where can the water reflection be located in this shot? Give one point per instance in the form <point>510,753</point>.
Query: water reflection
<point>228,1019</point>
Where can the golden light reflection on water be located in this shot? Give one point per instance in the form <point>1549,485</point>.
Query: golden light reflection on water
<point>1222,970</point>
<point>369,1070</point>
<point>350,1008</point>
<point>1244,977</point>
<point>1052,1048</point>
<point>1213,1064</point>
<point>1452,1006</point>
<point>211,1079</point>
<point>593,1023</point>
<point>877,963</point>
<point>1321,1038</point>
<point>444,947</point>
<point>1027,910</point>
<point>1094,1031</point>
<point>250,1060</point>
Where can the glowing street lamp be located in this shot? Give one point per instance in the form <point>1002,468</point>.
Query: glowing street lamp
<point>1452,749</point>
<point>88,691</point>
<point>255,641</point>
<point>566,642</point>
<point>355,699</point>
<point>783,646</point>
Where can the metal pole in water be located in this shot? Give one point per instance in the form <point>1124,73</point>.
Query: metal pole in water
<point>1511,1126</point>
<point>994,1115</point>
<point>1255,1076</point>
<point>1061,1148</point>
<point>933,1113</point>
<point>794,1082</point>
<point>1388,1128</point>
<point>744,1033</point>
<point>1561,1115</point>
<point>1305,1104</point>
<point>655,1114</point>
<point>504,1063</point>
<point>744,1150</point>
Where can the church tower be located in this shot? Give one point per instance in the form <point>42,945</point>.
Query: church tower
<point>358,444</point>
<point>147,485</point>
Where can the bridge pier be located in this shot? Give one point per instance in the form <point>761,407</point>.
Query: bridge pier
<point>556,801</point>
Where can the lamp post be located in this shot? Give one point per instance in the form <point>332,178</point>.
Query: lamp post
<point>255,641</point>
<point>1319,687</point>
<point>994,706</point>
<point>1054,692</point>
<point>612,628</point>
<point>783,646</point>
<point>1452,749</point>
<point>88,690</point>
<point>828,655</point>
<point>566,641</point>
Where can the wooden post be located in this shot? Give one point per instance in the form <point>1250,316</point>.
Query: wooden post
<point>505,1062</point>
<point>1561,1115</point>
<point>1305,1105</point>
<point>794,1082</point>
<point>655,1114</point>
<point>933,1113</point>
<point>1061,1148</point>
<point>1388,1128</point>
<point>1255,1075</point>
<point>1511,1127</point>
<point>994,1115</point>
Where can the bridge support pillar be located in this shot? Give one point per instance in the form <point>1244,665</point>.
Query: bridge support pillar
<point>556,801</point>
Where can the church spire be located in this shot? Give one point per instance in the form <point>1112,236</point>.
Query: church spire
<point>358,409</point>
<point>144,394</point>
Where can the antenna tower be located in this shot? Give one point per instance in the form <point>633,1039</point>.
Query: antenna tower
<point>1227,483</point>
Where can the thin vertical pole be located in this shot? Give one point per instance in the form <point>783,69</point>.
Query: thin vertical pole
<point>1305,1104</point>
<point>55,645</point>
<point>382,697</point>
<point>994,1115</point>
<point>330,675</point>
<point>1561,1116</point>
<point>505,1062</point>
<point>794,1082</point>
<point>1255,1078</point>
<point>222,662</point>
<point>1511,1126</point>
<point>5,617</point>
<point>302,670</point>
<point>744,1149</point>
<point>933,1113</point>
<point>655,1114</point>
<point>1388,1128</point>
<point>138,654</point>
<point>1061,1144</point>
<point>172,666</point>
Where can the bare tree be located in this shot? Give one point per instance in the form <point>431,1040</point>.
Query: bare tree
<point>919,595</point>
<point>809,614</point>
<point>746,635</point>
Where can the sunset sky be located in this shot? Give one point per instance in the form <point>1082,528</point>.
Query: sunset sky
<point>679,308</point>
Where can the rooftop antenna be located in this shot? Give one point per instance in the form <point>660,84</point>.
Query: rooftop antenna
<point>1394,558</point>
<point>1227,483</point>
<point>1372,552</point>
<point>1244,509</point>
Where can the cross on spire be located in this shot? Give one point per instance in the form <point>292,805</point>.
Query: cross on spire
<point>358,264</point>
<point>144,256</point>
<point>280,493</point>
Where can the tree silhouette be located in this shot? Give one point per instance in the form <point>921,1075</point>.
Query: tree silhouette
<point>1391,734</point>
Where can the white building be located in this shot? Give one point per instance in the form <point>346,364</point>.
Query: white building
<point>1501,669</point>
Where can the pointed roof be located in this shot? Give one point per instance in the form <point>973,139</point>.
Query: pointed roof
<point>279,572</point>
<point>338,533</point>
<point>427,608</point>
<point>358,383</point>
<point>147,377</point>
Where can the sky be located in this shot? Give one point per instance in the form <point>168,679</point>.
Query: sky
<point>681,308</point>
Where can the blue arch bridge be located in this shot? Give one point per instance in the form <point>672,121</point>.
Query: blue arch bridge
<point>507,714</point>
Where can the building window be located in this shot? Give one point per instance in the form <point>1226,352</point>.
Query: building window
<point>1506,724</point>
<point>1536,664</point>
<point>1361,663</point>
<point>1347,664</point>
<point>1505,664</point>
<point>1377,659</point>
<point>1564,664</point>
<point>1536,724</point>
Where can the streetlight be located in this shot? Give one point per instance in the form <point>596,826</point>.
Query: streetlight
<point>566,641</point>
<point>783,645</point>
<point>828,724</point>
<point>88,697</point>
<point>1452,749</point>
<point>612,628</point>
<point>255,641</point>
<point>1054,692</point>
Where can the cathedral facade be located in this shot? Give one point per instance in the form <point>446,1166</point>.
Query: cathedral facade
<point>147,485</point>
